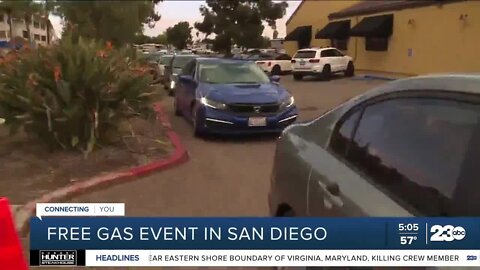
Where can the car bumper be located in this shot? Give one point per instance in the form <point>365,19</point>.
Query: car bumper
<point>307,72</point>
<point>221,122</point>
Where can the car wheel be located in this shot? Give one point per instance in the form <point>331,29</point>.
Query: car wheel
<point>326,72</point>
<point>197,132</point>
<point>175,107</point>
<point>350,71</point>
<point>297,77</point>
<point>276,70</point>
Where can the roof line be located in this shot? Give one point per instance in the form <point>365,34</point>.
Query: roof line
<point>392,6</point>
<point>295,11</point>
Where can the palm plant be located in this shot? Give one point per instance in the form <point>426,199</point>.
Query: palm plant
<point>75,95</point>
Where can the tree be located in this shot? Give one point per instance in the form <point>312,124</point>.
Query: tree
<point>180,35</point>
<point>238,22</point>
<point>115,21</point>
<point>161,39</point>
<point>142,39</point>
<point>264,42</point>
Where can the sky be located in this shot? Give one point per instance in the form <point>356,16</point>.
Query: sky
<point>174,11</point>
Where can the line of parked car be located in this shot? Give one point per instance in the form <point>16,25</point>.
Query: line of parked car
<point>407,148</point>
<point>220,95</point>
<point>318,62</point>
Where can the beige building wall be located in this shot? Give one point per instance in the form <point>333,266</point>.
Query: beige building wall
<point>314,13</point>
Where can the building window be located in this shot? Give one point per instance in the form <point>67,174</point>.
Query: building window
<point>44,38</point>
<point>43,26</point>
<point>36,24</point>
<point>37,37</point>
<point>376,44</point>
<point>341,44</point>
<point>3,34</point>
<point>25,34</point>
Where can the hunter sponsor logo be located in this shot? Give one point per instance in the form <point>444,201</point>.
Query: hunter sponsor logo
<point>58,257</point>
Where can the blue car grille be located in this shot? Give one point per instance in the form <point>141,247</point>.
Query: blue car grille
<point>254,108</point>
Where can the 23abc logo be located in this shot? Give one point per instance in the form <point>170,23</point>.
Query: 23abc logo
<point>447,233</point>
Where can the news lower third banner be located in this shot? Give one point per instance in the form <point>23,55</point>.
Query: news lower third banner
<point>133,241</point>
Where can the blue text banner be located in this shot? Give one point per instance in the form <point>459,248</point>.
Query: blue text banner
<point>93,233</point>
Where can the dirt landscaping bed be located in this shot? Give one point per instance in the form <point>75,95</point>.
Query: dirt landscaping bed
<point>28,170</point>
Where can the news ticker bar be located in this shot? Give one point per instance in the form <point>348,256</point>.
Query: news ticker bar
<point>157,233</point>
<point>256,258</point>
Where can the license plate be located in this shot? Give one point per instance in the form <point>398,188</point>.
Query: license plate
<point>302,63</point>
<point>257,121</point>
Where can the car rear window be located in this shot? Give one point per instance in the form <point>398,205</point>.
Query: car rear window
<point>305,54</point>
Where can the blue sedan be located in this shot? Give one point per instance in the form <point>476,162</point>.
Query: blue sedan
<point>226,96</point>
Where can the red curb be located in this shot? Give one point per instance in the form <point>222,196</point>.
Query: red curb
<point>179,156</point>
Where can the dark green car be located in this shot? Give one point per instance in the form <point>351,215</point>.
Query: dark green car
<point>408,148</point>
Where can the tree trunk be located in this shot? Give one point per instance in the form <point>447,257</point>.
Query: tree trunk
<point>48,31</point>
<point>228,48</point>
<point>28,21</point>
<point>9,19</point>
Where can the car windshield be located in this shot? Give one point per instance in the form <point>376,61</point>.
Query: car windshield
<point>181,61</point>
<point>165,60</point>
<point>261,57</point>
<point>232,73</point>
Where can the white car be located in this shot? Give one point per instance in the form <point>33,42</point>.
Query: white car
<point>321,62</point>
<point>274,64</point>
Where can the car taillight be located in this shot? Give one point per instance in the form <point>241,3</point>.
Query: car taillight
<point>314,60</point>
<point>269,63</point>
<point>293,61</point>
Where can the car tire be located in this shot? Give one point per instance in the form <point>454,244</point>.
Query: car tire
<point>176,110</point>
<point>197,132</point>
<point>276,70</point>
<point>326,72</point>
<point>350,71</point>
<point>297,77</point>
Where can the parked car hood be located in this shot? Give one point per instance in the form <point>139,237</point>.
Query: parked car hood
<point>244,93</point>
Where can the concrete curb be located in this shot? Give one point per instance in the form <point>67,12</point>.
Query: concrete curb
<point>373,77</point>
<point>179,156</point>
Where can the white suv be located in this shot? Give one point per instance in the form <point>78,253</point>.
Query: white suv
<point>321,62</point>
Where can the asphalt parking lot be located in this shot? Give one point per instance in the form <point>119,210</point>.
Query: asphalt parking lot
<point>225,176</point>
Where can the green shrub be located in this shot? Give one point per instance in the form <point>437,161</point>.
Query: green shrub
<point>73,95</point>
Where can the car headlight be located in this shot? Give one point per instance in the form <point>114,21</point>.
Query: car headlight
<point>213,104</point>
<point>287,103</point>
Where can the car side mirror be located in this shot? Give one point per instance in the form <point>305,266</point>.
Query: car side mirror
<point>186,78</point>
<point>275,78</point>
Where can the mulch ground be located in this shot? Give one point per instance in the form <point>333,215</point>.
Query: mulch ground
<point>28,170</point>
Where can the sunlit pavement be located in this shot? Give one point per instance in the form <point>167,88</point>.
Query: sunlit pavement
<point>224,177</point>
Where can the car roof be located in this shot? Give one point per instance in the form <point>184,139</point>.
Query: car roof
<point>317,49</point>
<point>461,83</point>
<point>186,55</point>
<point>220,60</point>
<point>456,82</point>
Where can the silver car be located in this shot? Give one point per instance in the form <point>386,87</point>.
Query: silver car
<point>174,68</point>
<point>408,148</point>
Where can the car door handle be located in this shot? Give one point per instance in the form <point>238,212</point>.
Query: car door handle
<point>332,194</point>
